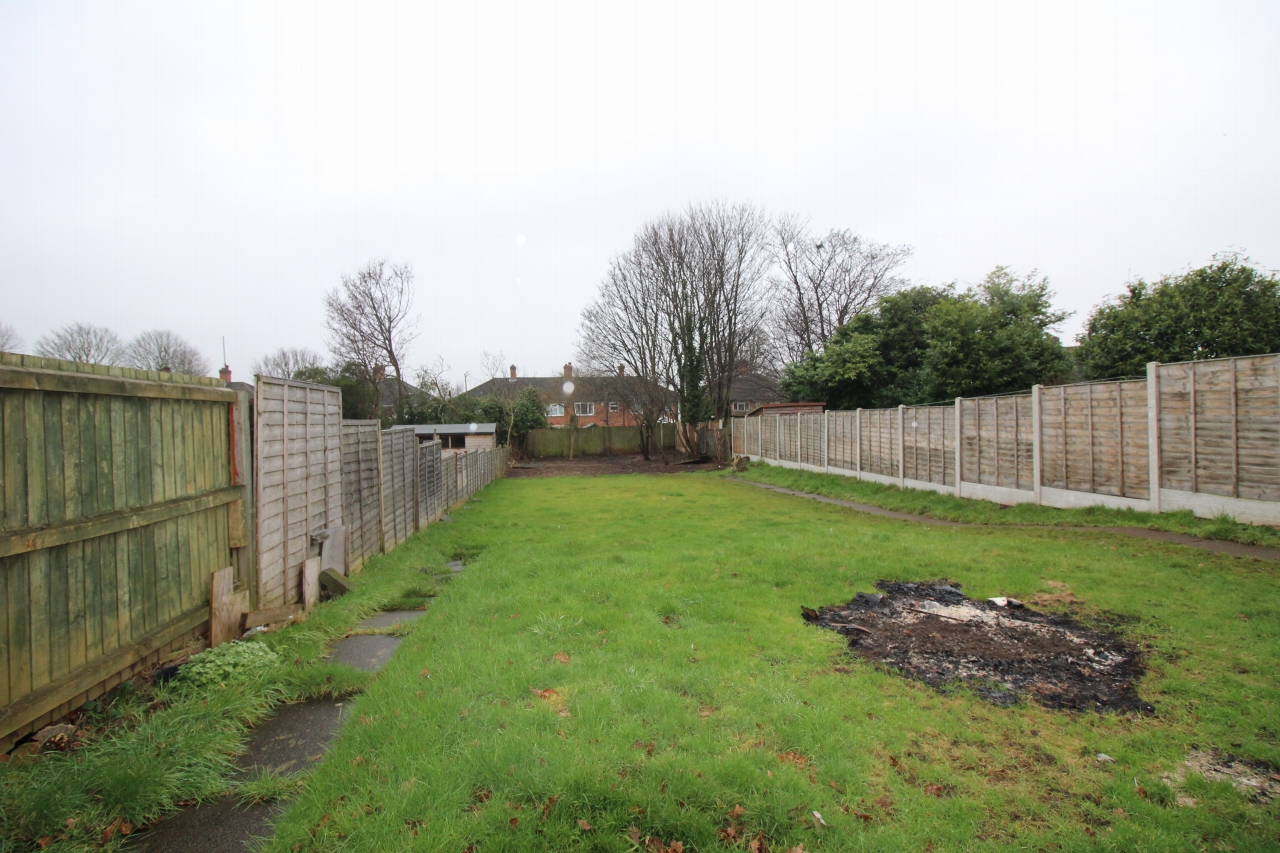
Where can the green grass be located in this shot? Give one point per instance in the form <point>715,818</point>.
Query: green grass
<point>153,748</point>
<point>693,687</point>
<point>951,508</point>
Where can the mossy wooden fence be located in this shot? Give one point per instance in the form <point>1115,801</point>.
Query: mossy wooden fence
<point>592,441</point>
<point>120,496</point>
<point>1201,435</point>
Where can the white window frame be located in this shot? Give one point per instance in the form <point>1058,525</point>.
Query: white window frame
<point>741,405</point>
<point>614,406</point>
<point>555,410</point>
<point>584,410</point>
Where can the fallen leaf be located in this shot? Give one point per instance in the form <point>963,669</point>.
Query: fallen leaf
<point>736,812</point>
<point>793,758</point>
<point>546,807</point>
<point>799,848</point>
<point>835,787</point>
<point>481,795</point>
<point>757,845</point>
<point>426,673</point>
<point>935,790</point>
<point>649,749</point>
<point>676,847</point>
<point>706,711</point>
<point>634,834</point>
<point>561,657</point>
<point>584,826</point>
<point>730,834</point>
<point>45,841</point>
<point>515,821</point>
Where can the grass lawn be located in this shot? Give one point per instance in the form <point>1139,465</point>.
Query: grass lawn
<point>690,700</point>
<point>968,510</point>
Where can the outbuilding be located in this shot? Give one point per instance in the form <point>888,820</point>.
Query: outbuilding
<point>459,436</point>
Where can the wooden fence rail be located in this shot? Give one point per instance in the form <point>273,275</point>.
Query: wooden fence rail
<point>1203,436</point>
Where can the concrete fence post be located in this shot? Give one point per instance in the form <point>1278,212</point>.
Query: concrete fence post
<point>826,444</point>
<point>1036,453</point>
<point>1153,434</point>
<point>959,447</point>
<point>902,455</point>
<point>857,442</point>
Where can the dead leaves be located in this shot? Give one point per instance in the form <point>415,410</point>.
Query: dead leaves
<point>795,758</point>
<point>585,826</point>
<point>552,698</point>
<point>653,845</point>
<point>561,657</point>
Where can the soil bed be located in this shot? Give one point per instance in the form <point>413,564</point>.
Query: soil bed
<point>932,632</point>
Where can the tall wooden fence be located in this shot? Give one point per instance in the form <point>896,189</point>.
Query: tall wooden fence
<point>1203,436</point>
<point>298,474</point>
<point>122,492</point>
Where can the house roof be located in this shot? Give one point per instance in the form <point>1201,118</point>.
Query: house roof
<point>455,429</point>
<point>387,395</point>
<point>596,389</point>
<point>757,387</point>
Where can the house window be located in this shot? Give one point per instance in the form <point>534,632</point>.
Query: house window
<point>741,405</point>
<point>584,409</point>
<point>555,410</point>
<point>613,405</point>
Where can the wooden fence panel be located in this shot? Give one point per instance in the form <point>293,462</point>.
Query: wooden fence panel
<point>115,490</point>
<point>430,499</point>
<point>769,436</point>
<point>361,491</point>
<point>879,438</point>
<point>298,478</point>
<point>1258,430</point>
<point>399,485</point>
<point>929,444</point>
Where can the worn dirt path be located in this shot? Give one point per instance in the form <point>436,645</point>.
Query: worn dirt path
<point>1234,549</point>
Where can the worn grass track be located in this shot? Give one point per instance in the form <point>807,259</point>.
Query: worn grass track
<point>693,687</point>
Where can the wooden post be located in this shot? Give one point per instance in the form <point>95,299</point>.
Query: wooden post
<point>224,620</point>
<point>857,442</point>
<point>760,436</point>
<point>310,583</point>
<point>1035,440</point>
<point>1153,435</point>
<point>1066,484</point>
<point>959,446</point>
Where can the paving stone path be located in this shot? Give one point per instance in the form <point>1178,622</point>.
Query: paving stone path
<point>291,741</point>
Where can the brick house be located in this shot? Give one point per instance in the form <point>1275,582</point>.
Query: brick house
<point>594,399</point>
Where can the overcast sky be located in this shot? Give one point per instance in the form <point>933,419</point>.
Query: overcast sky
<point>214,168</point>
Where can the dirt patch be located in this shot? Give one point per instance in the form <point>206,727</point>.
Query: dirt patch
<point>595,466</point>
<point>1257,780</point>
<point>932,632</point>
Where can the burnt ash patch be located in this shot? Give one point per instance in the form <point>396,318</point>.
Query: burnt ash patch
<point>933,633</point>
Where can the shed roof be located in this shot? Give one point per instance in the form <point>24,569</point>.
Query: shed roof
<point>455,429</point>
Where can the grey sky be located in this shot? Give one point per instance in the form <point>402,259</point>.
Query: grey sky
<point>213,168</point>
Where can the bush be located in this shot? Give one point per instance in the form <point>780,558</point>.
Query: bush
<point>230,663</point>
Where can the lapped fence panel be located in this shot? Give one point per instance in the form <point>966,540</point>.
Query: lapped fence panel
<point>298,469</point>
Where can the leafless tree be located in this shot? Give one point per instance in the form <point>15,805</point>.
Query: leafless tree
<point>289,363</point>
<point>368,318</point>
<point>492,364</point>
<point>83,342</point>
<point>161,349</point>
<point>732,260</point>
<point>431,379</point>
<point>9,340</point>
<point>819,284</point>
<point>624,336</point>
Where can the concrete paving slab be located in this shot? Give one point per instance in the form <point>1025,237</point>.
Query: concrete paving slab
<point>455,565</point>
<point>294,738</point>
<point>221,826</point>
<point>389,618</point>
<point>364,651</point>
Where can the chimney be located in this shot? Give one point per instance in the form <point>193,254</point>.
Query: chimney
<point>568,370</point>
<point>513,371</point>
<point>622,370</point>
<point>225,374</point>
<point>379,373</point>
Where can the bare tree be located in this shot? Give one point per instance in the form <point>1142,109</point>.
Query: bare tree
<point>161,349</point>
<point>732,262</point>
<point>83,342</point>
<point>819,284</point>
<point>9,340</point>
<point>624,335</point>
<point>289,363</point>
<point>368,318</point>
<point>492,364</point>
